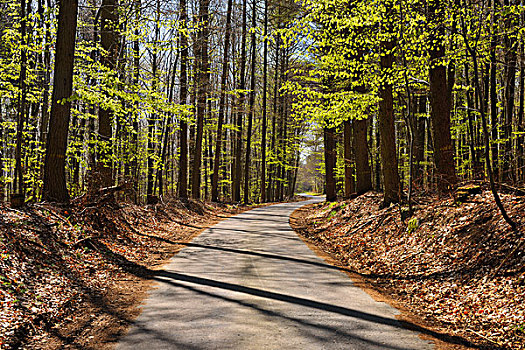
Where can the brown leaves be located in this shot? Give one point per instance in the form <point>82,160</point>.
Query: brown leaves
<point>55,262</point>
<point>438,269</point>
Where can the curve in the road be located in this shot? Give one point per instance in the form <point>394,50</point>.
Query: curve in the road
<point>250,283</point>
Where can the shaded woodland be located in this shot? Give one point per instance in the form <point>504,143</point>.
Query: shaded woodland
<point>219,100</point>
<point>108,105</point>
<point>159,98</point>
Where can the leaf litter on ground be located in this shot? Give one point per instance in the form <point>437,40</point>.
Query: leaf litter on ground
<point>437,264</point>
<point>74,276</point>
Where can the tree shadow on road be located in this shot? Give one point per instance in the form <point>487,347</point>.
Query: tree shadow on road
<point>174,278</point>
<point>435,275</point>
<point>306,325</point>
<point>168,277</point>
<point>253,253</point>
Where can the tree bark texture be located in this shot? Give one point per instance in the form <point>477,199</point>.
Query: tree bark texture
<point>419,139</point>
<point>264,105</point>
<point>18,184</point>
<point>349,170</point>
<point>182,185</point>
<point>511,53</point>
<point>152,120</point>
<point>237,176</point>
<point>251,106</point>
<point>55,188</point>
<point>108,42</point>
<point>330,158</point>
<point>391,182</point>
<point>440,101</point>
<point>202,90</point>
<point>362,163</point>
<point>222,105</point>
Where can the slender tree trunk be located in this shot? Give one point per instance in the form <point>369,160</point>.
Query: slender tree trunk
<point>242,85</point>
<point>135,133</point>
<point>281,135</point>
<point>193,102</point>
<point>109,43</point>
<point>521,127</point>
<point>440,103</point>
<point>163,167</point>
<point>349,171</point>
<point>75,159</point>
<point>284,138</point>
<point>264,105</point>
<point>152,121</point>
<point>419,139</point>
<point>206,157</point>
<point>294,180</point>
<point>19,190</point>
<point>494,93</point>
<point>387,133</point>
<point>376,156</point>
<point>251,107</point>
<point>476,168</point>
<point>362,164</point>
<point>271,187</point>
<point>47,75</point>
<point>202,90</point>
<point>55,188</point>
<point>330,157</point>
<point>511,21</point>
<point>521,112</point>
<point>182,185</point>
<point>2,155</point>
<point>222,105</point>
<point>497,199</point>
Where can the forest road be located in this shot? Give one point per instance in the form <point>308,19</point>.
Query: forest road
<point>250,283</point>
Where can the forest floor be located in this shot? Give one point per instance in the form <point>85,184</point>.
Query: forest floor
<point>437,266</point>
<point>73,277</point>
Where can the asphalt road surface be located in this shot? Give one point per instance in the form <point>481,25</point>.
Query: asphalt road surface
<point>250,283</point>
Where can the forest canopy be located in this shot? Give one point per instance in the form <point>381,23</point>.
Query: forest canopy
<point>220,99</point>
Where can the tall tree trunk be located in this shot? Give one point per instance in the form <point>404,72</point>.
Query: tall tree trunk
<point>44,123</point>
<point>152,121</point>
<point>419,140</point>
<point>55,188</point>
<point>2,156</point>
<point>75,158</point>
<point>109,43</point>
<point>162,171</point>
<point>511,51</point>
<point>281,134</point>
<point>182,185</point>
<point>520,155</point>
<point>242,85</point>
<point>19,190</point>
<point>349,170</point>
<point>202,90</point>
<point>222,105</point>
<point>376,156</point>
<point>440,101</point>
<point>476,167</point>
<point>135,133</point>
<point>330,157</point>
<point>264,105</point>
<point>271,187</point>
<point>362,164</point>
<point>387,133</point>
<point>494,92</point>
<point>284,137</point>
<point>497,199</point>
<point>251,107</point>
